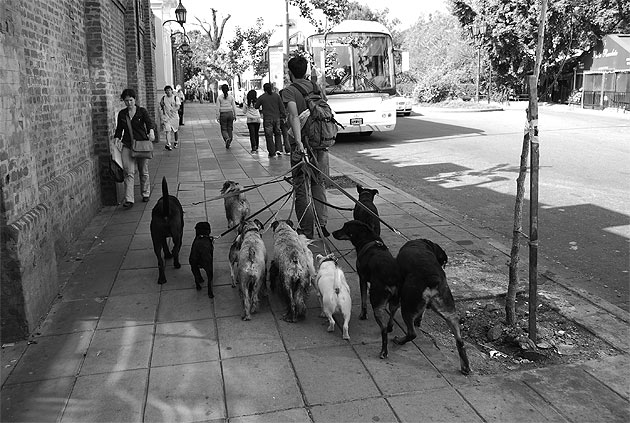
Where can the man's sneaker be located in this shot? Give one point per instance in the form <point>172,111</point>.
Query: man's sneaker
<point>279,153</point>
<point>168,147</point>
<point>175,145</point>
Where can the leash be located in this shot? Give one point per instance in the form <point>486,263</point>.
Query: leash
<point>344,192</point>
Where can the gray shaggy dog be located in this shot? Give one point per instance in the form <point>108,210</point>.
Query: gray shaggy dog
<point>236,204</point>
<point>292,268</point>
<point>251,273</point>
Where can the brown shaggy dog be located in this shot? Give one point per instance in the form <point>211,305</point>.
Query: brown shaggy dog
<point>292,267</point>
<point>251,272</point>
<point>236,204</point>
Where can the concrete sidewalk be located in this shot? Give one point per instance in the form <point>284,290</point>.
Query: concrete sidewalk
<point>118,347</point>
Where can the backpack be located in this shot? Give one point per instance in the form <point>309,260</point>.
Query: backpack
<point>320,126</point>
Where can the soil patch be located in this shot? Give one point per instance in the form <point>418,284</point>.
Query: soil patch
<point>342,180</point>
<point>499,348</point>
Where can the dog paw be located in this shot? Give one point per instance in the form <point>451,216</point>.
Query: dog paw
<point>331,328</point>
<point>465,371</point>
<point>177,265</point>
<point>363,316</point>
<point>346,336</point>
<point>247,318</point>
<point>390,329</point>
<point>161,281</point>
<point>198,286</point>
<point>382,355</point>
<point>210,294</point>
<point>399,340</point>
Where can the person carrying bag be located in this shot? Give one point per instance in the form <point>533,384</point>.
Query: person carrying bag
<point>134,138</point>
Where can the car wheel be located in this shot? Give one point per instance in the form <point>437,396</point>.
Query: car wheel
<point>366,133</point>
<point>408,114</point>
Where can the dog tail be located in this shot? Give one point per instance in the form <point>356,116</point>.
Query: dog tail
<point>165,202</point>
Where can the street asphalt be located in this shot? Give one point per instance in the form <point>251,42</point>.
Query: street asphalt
<point>118,347</point>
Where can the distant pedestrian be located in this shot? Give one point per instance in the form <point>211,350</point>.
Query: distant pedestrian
<point>169,115</point>
<point>226,114</point>
<point>273,112</point>
<point>182,99</point>
<point>138,119</point>
<point>253,119</point>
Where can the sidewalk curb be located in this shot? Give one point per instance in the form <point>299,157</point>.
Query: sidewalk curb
<point>603,319</point>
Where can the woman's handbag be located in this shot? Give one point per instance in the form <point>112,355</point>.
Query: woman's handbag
<point>140,149</point>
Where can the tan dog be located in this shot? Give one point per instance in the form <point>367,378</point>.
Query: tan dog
<point>236,204</point>
<point>292,267</point>
<point>333,292</point>
<point>233,258</point>
<point>251,272</point>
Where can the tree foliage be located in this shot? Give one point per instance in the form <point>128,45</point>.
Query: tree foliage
<point>573,27</point>
<point>248,49</point>
<point>333,11</point>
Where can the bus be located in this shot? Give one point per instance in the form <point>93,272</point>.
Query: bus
<point>354,62</point>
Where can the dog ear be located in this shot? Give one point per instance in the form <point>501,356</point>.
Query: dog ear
<point>440,254</point>
<point>290,223</point>
<point>259,223</point>
<point>274,225</point>
<point>375,191</point>
<point>319,259</point>
<point>359,188</point>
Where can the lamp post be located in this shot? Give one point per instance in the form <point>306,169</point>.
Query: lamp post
<point>180,15</point>
<point>478,31</point>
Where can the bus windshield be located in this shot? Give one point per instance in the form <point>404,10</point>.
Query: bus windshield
<point>355,62</point>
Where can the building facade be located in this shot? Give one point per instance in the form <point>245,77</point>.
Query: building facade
<point>64,65</point>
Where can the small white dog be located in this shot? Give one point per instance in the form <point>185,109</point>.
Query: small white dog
<point>333,292</point>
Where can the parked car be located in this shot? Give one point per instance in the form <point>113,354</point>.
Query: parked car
<point>403,105</point>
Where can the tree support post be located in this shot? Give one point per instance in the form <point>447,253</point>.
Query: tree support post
<point>533,205</point>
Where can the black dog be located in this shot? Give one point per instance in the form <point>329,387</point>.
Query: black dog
<point>376,266</point>
<point>424,284</point>
<point>167,221</point>
<point>202,255</point>
<point>366,198</point>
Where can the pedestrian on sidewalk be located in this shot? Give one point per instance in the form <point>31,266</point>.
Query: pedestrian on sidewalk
<point>138,119</point>
<point>253,119</point>
<point>169,116</point>
<point>273,111</point>
<point>305,181</point>
<point>182,99</point>
<point>226,114</point>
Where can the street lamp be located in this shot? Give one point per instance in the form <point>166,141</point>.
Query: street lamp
<point>180,15</point>
<point>478,32</point>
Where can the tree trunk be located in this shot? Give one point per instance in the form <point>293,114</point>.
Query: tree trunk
<point>517,232</point>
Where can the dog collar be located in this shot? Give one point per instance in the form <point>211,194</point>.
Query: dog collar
<point>329,257</point>
<point>376,243</point>
<point>250,230</point>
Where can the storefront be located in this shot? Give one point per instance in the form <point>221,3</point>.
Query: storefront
<point>607,78</point>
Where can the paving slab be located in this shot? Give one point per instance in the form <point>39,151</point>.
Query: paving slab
<point>50,357</point>
<point>185,342</point>
<point>184,304</point>
<point>501,400</point>
<point>107,397</point>
<point>438,405</point>
<point>118,349</point>
<point>294,415</point>
<point>318,370</point>
<point>72,316</point>
<point>41,401</point>
<point>241,338</point>
<point>259,384</point>
<point>577,395</point>
<point>129,310</point>
<point>359,411</point>
<point>185,393</point>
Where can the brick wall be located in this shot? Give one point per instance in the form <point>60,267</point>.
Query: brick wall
<point>63,65</point>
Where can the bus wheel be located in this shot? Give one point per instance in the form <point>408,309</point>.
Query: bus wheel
<point>366,133</point>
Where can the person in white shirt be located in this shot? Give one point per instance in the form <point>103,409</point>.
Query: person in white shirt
<point>169,116</point>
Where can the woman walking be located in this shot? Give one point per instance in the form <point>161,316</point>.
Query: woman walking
<point>134,119</point>
<point>226,115</point>
<point>253,119</point>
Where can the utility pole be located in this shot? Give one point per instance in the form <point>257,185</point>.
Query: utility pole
<point>286,27</point>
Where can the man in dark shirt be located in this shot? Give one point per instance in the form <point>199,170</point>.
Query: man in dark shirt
<point>273,112</point>
<point>296,104</point>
